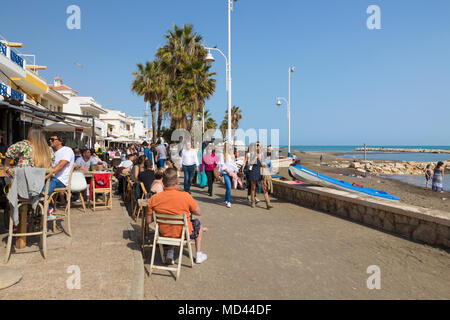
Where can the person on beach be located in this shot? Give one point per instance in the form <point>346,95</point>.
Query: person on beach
<point>256,162</point>
<point>209,163</point>
<point>428,175</point>
<point>438,177</point>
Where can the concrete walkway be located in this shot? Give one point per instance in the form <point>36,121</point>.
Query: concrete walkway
<point>295,253</point>
<point>104,249</point>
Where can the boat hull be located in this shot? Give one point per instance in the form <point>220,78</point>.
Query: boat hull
<point>315,178</point>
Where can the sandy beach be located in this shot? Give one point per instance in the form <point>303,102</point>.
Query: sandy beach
<point>408,193</point>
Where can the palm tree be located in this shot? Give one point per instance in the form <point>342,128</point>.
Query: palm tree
<point>189,79</point>
<point>144,84</point>
<point>236,116</point>
<point>210,123</point>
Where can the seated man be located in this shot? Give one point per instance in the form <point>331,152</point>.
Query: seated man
<point>173,201</point>
<point>86,161</point>
<point>64,160</point>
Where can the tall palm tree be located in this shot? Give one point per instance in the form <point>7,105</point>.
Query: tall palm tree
<point>144,84</point>
<point>236,116</point>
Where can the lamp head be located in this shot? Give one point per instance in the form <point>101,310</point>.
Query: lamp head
<point>209,57</point>
<point>279,103</point>
<point>292,69</point>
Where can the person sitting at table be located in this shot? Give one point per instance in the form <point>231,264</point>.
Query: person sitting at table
<point>147,176</point>
<point>64,160</point>
<point>138,167</point>
<point>33,152</point>
<point>173,201</point>
<point>86,161</point>
<point>157,185</point>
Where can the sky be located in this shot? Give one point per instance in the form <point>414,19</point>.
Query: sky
<point>351,85</point>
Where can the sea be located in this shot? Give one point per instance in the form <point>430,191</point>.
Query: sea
<point>349,152</point>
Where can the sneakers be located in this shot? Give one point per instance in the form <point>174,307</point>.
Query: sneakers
<point>250,200</point>
<point>169,257</point>
<point>50,215</point>
<point>228,204</point>
<point>201,257</point>
<point>78,200</point>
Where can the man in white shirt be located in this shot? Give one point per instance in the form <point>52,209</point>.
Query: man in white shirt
<point>64,160</point>
<point>189,162</point>
<point>84,162</point>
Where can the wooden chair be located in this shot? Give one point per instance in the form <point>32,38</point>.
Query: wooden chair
<point>107,202</point>
<point>68,193</point>
<point>43,207</point>
<point>136,204</point>
<point>177,242</point>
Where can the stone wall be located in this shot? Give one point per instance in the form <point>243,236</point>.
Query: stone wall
<point>420,224</point>
<point>384,167</point>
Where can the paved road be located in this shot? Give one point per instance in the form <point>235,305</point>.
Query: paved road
<point>295,253</point>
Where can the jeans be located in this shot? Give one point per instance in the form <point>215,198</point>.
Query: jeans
<point>54,183</point>
<point>227,180</point>
<point>161,163</point>
<point>188,175</point>
<point>210,175</point>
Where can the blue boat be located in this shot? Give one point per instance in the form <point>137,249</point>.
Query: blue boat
<point>312,177</point>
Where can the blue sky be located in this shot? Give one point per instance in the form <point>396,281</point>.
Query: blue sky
<point>351,86</point>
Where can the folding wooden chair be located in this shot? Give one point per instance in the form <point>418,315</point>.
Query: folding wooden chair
<point>105,190</point>
<point>68,193</point>
<point>177,242</point>
<point>43,206</point>
<point>136,204</point>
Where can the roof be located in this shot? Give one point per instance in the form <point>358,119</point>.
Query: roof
<point>62,87</point>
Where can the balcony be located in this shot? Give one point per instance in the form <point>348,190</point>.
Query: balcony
<point>11,63</point>
<point>6,91</point>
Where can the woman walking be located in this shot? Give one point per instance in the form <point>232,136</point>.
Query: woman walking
<point>225,162</point>
<point>209,163</point>
<point>438,177</point>
<point>428,175</point>
<point>256,163</point>
<point>246,171</point>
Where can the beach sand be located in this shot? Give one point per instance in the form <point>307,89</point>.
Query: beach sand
<point>408,193</point>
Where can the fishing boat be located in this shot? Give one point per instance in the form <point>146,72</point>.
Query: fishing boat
<point>315,178</point>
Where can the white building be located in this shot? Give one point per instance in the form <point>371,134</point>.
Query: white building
<point>83,106</point>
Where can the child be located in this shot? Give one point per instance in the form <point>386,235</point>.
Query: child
<point>428,175</point>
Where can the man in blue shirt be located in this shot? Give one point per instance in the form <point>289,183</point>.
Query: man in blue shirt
<point>148,152</point>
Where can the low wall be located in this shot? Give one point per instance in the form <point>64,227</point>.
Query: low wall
<point>420,224</point>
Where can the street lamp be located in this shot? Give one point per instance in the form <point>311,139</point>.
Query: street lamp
<point>210,58</point>
<point>288,102</point>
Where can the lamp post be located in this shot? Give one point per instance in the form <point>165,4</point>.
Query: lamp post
<point>288,102</point>
<point>210,58</point>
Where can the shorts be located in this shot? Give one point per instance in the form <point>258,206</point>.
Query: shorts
<point>196,225</point>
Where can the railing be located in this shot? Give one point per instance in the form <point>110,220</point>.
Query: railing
<point>16,95</point>
<point>3,90</point>
<point>3,48</point>
<point>16,58</point>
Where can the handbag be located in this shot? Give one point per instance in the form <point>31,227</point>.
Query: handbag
<point>216,173</point>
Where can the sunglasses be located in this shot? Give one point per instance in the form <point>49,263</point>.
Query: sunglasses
<point>52,139</point>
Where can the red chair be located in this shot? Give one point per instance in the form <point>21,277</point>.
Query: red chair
<point>102,183</point>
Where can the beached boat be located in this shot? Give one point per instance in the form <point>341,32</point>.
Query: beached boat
<point>315,178</point>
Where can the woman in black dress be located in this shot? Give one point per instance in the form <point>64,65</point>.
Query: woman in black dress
<point>255,162</point>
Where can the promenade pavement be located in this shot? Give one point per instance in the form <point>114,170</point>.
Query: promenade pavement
<point>104,249</point>
<point>291,252</point>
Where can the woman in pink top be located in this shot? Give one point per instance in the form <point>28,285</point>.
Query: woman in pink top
<point>209,163</point>
<point>157,185</point>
